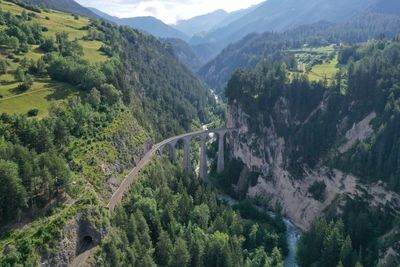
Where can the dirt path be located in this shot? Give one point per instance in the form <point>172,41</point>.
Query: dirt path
<point>23,94</point>
<point>81,259</point>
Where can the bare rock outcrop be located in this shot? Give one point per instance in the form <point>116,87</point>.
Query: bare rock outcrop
<point>77,236</point>
<point>267,154</point>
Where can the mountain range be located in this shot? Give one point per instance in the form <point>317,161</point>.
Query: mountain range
<point>210,33</point>
<point>281,15</point>
<point>201,39</point>
<point>255,47</point>
<point>147,24</point>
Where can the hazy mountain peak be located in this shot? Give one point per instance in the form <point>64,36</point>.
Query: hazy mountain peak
<point>147,24</point>
<point>202,23</point>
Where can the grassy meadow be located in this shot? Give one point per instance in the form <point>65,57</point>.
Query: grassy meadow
<point>44,91</point>
<point>317,63</point>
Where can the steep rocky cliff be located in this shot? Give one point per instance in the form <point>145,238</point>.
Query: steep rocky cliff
<point>267,155</point>
<point>326,149</point>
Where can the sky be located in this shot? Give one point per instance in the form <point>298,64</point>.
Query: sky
<point>168,11</point>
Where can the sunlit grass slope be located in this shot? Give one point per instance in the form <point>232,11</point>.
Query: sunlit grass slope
<point>44,92</point>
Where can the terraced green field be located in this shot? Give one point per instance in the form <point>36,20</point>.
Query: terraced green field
<point>44,91</point>
<point>318,63</point>
<point>326,70</point>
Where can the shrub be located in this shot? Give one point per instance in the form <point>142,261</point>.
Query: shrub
<point>94,98</point>
<point>110,94</point>
<point>48,45</point>
<point>317,190</point>
<point>24,48</point>
<point>26,83</point>
<point>33,112</point>
<point>32,15</point>
<point>106,50</point>
<point>20,73</point>
<point>3,66</point>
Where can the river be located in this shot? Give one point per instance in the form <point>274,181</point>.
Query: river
<point>292,232</point>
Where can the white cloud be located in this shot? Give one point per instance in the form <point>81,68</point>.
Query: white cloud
<point>167,10</point>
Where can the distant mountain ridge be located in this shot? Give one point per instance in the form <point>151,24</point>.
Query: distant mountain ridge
<point>278,16</point>
<point>391,7</point>
<point>235,15</point>
<point>69,6</point>
<point>203,23</point>
<point>103,14</point>
<point>281,15</point>
<point>147,24</point>
<point>268,16</point>
<point>251,49</point>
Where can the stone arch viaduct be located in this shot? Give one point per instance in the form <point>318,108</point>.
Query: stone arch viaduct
<point>158,149</point>
<point>187,138</point>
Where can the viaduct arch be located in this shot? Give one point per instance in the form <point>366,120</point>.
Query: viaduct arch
<point>88,240</point>
<point>187,138</point>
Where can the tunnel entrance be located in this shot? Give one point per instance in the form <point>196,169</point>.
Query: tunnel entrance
<point>85,244</point>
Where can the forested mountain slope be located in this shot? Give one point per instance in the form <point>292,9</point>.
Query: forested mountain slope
<point>185,53</point>
<point>329,148</point>
<point>106,93</point>
<point>69,6</point>
<point>254,47</point>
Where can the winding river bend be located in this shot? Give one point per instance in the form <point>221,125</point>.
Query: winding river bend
<point>292,232</point>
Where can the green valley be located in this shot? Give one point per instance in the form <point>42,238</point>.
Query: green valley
<point>267,136</point>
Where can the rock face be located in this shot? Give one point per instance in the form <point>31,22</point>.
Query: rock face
<point>359,132</point>
<point>78,236</point>
<point>267,154</point>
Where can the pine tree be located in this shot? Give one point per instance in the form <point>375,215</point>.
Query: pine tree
<point>276,258</point>
<point>346,253</point>
<point>13,196</point>
<point>164,249</point>
<point>180,255</point>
